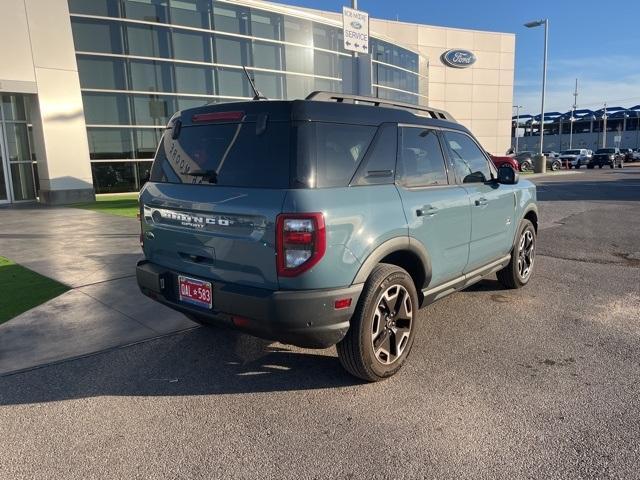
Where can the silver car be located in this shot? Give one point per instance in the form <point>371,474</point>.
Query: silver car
<point>576,157</point>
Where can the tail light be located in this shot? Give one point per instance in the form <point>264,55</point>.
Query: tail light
<point>300,242</point>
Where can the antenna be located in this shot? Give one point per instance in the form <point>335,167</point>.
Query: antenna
<point>256,93</point>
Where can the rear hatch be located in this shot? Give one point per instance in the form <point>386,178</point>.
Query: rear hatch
<point>217,184</point>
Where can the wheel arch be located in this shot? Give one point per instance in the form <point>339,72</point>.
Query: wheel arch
<point>404,252</point>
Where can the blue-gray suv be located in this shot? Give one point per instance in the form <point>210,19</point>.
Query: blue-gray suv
<point>329,220</point>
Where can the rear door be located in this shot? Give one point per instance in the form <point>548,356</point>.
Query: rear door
<point>437,211</point>
<point>492,204</point>
<point>211,203</point>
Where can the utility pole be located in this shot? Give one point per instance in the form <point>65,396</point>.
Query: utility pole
<point>573,112</point>
<point>604,127</point>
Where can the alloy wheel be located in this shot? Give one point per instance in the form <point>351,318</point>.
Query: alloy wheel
<point>392,323</point>
<point>526,254</point>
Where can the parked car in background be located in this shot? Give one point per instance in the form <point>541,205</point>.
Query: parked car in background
<point>607,156</point>
<point>576,157</point>
<point>508,160</point>
<point>525,161</point>
<point>628,154</point>
<point>551,153</point>
<point>636,155</point>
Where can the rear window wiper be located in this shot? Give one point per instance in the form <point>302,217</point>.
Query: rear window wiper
<point>210,175</point>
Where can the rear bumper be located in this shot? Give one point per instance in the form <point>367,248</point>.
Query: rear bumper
<point>306,318</point>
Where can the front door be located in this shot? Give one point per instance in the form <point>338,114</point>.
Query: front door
<point>4,177</point>
<point>492,204</point>
<point>437,210</point>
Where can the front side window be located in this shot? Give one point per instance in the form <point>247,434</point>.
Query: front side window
<point>468,160</point>
<point>420,162</point>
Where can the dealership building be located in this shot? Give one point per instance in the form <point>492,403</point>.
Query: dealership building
<point>87,86</point>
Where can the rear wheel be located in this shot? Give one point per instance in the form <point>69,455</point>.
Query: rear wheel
<point>520,268</point>
<point>555,166</point>
<point>383,326</point>
<point>590,167</point>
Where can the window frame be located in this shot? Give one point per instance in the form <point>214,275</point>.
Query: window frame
<point>445,158</point>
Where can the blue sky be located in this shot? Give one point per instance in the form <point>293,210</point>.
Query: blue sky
<point>596,41</point>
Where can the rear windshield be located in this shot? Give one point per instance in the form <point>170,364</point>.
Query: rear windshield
<point>571,152</point>
<point>229,154</point>
<point>282,155</point>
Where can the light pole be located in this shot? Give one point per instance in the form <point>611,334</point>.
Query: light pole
<point>571,120</point>
<point>537,23</point>
<point>604,127</point>
<point>573,114</point>
<point>515,131</point>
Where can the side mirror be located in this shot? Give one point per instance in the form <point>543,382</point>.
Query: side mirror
<point>507,175</point>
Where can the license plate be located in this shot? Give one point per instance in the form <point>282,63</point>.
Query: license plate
<point>196,292</point>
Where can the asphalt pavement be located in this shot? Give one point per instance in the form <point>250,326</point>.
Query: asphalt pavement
<point>537,383</point>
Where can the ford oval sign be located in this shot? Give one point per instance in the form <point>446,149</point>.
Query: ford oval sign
<point>458,58</point>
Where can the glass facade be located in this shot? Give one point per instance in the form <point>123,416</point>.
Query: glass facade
<point>17,161</point>
<point>139,61</point>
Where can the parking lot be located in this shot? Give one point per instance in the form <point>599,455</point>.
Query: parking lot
<point>542,382</point>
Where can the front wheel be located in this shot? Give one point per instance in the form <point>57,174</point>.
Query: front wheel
<point>526,167</point>
<point>383,326</point>
<point>520,268</point>
<point>555,166</point>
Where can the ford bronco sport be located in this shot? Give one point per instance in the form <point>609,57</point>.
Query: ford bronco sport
<point>329,220</point>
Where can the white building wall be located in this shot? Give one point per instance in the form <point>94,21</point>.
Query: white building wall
<point>46,66</point>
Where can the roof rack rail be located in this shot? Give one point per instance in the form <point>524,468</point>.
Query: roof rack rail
<point>379,102</point>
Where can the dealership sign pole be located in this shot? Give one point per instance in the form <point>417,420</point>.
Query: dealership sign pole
<point>355,32</point>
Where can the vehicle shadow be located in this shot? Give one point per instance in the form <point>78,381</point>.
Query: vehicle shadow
<point>202,361</point>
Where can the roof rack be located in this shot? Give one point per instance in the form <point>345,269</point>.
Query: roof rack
<point>379,102</point>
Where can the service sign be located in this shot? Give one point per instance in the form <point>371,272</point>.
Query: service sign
<point>356,30</point>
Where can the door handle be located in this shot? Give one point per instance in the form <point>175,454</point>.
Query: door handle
<point>481,202</point>
<point>427,211</point>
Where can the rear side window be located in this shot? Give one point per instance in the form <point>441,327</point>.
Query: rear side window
<point>229,154</point>
<point>420,162</point>
<point>329,153</point>
<point>469,162</point>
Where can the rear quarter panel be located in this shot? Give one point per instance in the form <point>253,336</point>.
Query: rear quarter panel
<point>357,219</point>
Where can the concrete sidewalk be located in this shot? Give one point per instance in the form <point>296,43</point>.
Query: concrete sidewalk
<point>95,254</point>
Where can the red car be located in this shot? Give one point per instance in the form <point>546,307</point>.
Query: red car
<point>498,161</point>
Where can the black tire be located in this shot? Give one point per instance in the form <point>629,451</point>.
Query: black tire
<point>526,166</point>
<point>356,350</point>
<point>511,275</point>
<point>599,166</point>
<point>577,167</point>
<point>555,166</point>
<point>590,167</point>
<point>612,165</point>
